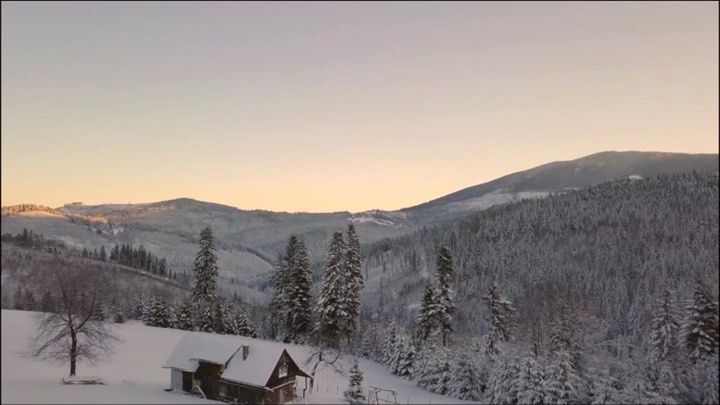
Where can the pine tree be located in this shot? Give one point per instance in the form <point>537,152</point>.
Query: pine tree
<point>531,382</point>
<point>354,393</point>
<point>206,323</point>
<point>403,359</point>
<point>352,274</point>
<point>103,254</point>
<point>466,383</point>
<point>564,383</point>
<point>184,319</point>
<point>503,385</point>
<point>389,344</point>
<point>665,328</point>
<point>605,389</point>
<point>433,369</point>
<point>282,284</point>
<point>242,325</point>
<point>331,316</point>
<point>206,270</point>
<point>701,327</point>
<point>641,391</point>
<point>158,314</point>
<point>428,314</point>
<point>300,312</point>
<point>502,319</point>
<point>565,336</point>
<point>443,296</point>
<point>220,317</point>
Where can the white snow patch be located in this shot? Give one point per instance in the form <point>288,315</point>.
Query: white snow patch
<point>135,374</point>
<point>635,177</point>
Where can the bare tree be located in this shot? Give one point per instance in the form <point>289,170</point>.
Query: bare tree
<point>70,333</point>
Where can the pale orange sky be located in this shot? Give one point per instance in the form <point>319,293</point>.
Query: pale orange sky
<point>339,106</point>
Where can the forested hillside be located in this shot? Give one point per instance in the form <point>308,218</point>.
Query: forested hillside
<point>608,250</point>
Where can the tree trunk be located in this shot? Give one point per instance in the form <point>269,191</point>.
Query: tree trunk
<point>73,352</point>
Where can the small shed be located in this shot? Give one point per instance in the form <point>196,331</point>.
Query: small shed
<point>233,369</point>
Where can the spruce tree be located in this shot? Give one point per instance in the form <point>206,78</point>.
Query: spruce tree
<point>403,359</point>
<point>353,281</point>
<point>665,328</point>
<point>503,385</point>
<point>389,343</point>
<point>701,327</point>
<point>300,311</point>
<point>220,317</point>
<point>158,314</point>
<point>242,325</point>
<point>531,382</point>
<point>605,389</point>
<point>330,313</point>
<point>444,299</point>
<point>428,314</point>
<point>206,323</point>
<point>433,371</point>
<point>354,393</point>
<point>502,318</point>
<point>281,281</point>
<point>564,383</point>
<point>206,270</point>
<point>466,380</point>
<point>184,319</point>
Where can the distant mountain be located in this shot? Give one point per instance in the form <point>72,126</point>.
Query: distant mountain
<point>561,176</point>
<point>610,249</point>
<point>250,240</point>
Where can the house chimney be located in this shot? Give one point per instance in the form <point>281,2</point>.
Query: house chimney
<point>246,351</point>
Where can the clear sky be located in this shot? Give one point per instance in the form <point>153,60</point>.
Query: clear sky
<point>339,106</point>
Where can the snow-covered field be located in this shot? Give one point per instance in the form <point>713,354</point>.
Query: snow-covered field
<point>134,373</point>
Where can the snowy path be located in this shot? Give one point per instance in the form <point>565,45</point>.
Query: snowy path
<point>135,375</point>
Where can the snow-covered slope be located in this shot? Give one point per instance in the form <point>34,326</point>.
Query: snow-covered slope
<point>135,374</point>
<point>250,240</point>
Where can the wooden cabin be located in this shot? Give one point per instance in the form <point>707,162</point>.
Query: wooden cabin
<point>233,369</point>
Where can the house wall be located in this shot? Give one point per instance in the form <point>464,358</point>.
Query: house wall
<point>275,380</point>
<point>176,380</point>
<point>241,394</point>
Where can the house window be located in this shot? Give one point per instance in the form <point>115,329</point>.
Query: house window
<point>283,370</point>
<point>223,390</point>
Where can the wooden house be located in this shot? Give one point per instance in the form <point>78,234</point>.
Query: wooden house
<point>234,369</point>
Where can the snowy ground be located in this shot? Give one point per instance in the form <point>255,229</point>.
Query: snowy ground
<point>134,373</point>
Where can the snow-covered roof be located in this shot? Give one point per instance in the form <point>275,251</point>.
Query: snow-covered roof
<point>227,351</point>
<point>196,346</point>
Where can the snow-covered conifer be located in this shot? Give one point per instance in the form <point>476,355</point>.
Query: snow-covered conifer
<point>428,313</point>
<point>665,327</point>
<point>389,344</point>
<point>502,318</point>
<point>466,382</point>
<point>355,393</point>
<point>330,313</point>
<point>531,381</point>
<point>444,294</point>
<point>701,327</point>
<point>206,270</point>
<point>503,385</point>
<point>184,318</point>
<point>564,385</point>
<point>353,280</point>
<point>298,291</point>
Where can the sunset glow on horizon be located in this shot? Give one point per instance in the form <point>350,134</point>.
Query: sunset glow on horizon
<point>322,107</point>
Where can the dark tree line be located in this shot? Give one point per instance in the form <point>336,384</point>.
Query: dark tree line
<point>137,258</point>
